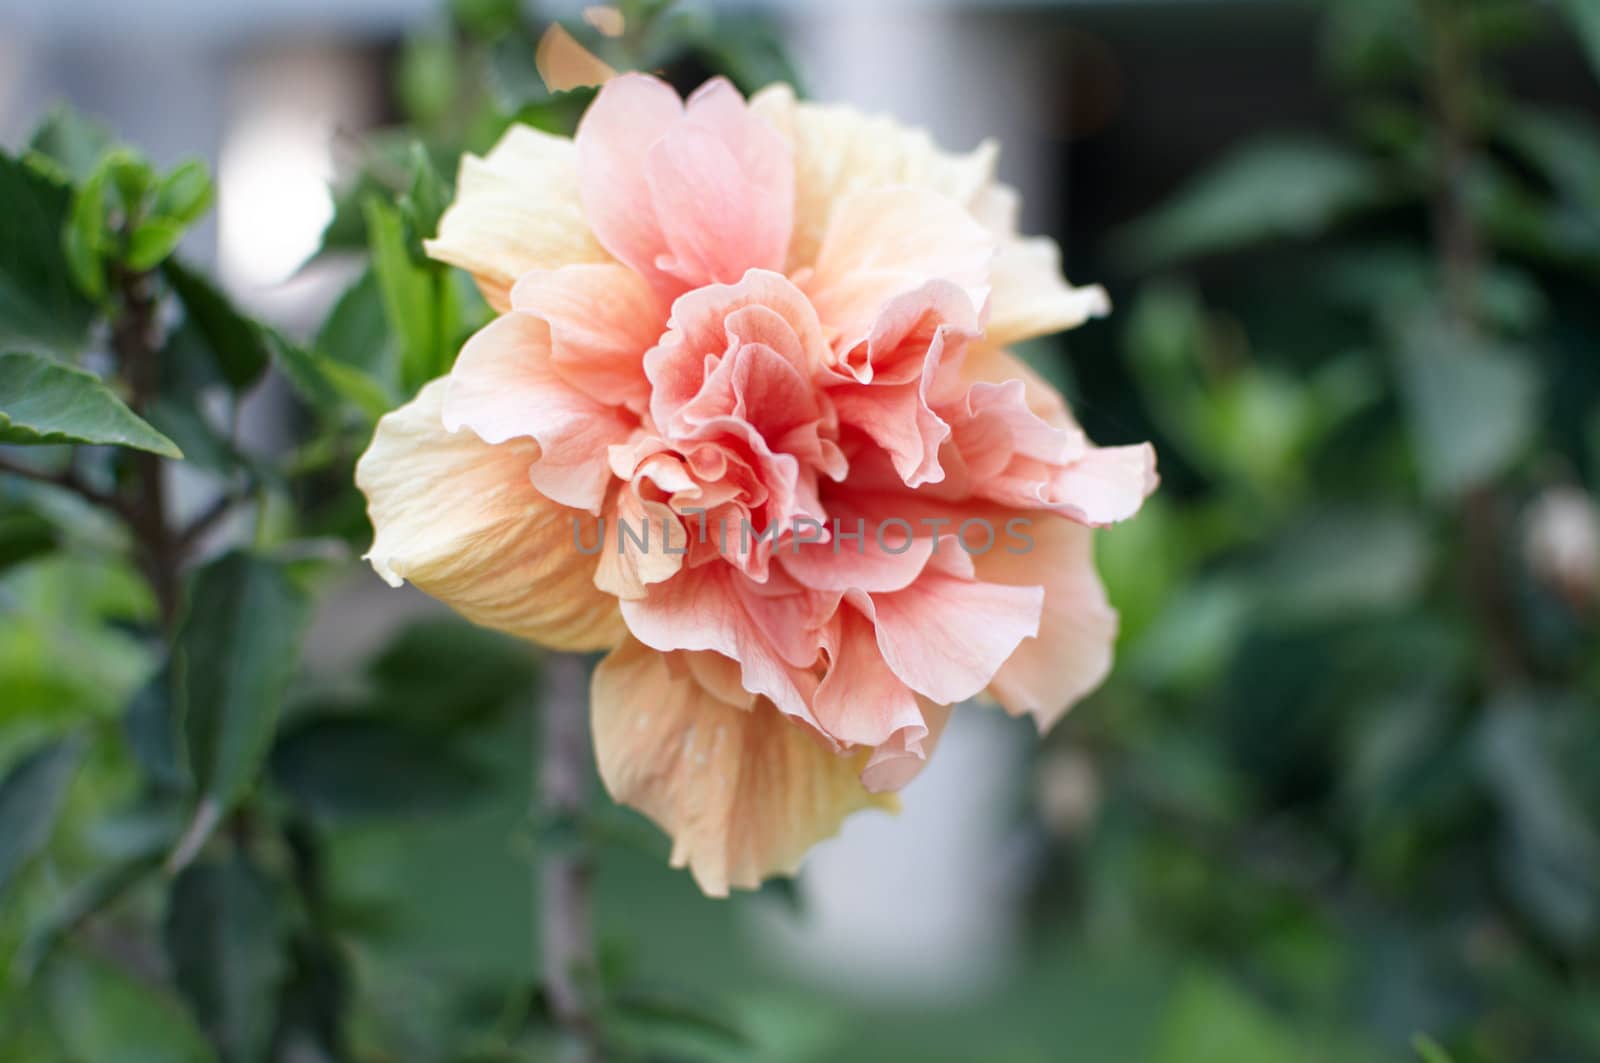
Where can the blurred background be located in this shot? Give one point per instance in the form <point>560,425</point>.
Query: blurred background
<point>1339,800</point>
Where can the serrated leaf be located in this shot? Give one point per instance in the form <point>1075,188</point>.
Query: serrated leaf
<point>40,305</point>
<point>45,402</point>
<point>235,654</point>
<point>236,343</point>
<point>224,935</point>
<point>151,242</point>
<point>30,800</point>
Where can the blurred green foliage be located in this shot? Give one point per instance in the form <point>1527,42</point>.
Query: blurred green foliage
<point>1337,803</point>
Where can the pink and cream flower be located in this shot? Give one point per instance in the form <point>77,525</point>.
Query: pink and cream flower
<point>769,339</point>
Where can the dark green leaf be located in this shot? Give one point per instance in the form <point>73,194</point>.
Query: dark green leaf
<point>1585,18</point>
<point>152,729</point>
<point>24,535</point>
<point>354,767</point>
<point>356,332</point>
<point>184,194</point>
<point>1550,848</point>
<point>329,386</point>
<point>40,305</point>
<point>30,800</point>
<point>656,1022</point>
<point>236,653</point>
<point>98,890</point>
<point>1473,403</point>
<point>427,196</point>
<point>224,934</point>
<point>1271,189</point>
<point>42,401</point>
<point>151,243</point>
<point>186,424</point>
<point>235,342</point>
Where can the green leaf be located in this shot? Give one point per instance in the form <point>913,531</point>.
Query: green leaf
<point>1271,189</point>
<point>356,331</point>
<point>1212,1021</point>
<point>71,141</point>
<point>428,77</point>
<point>87,237</point>
<point>349,767</point>
<point>1585,18</point>
<point>411,296</point>
<point>25,535</point>
<point>42,401</point>
<point>327,385</point>
<point>30,800</point>
<point>1428,1049</point>
<point>1549,846</point>
<point>184,194</point>
<point>40,305</point>
<point>657,1022</point>
<point>99,1013</point>
<point>235,655</point>
<point>236,343</point>
<point>1473,403</point>
<point>224,935</point>
<point>151,726</point>
<point>151,243</point>
<point>427,196</point>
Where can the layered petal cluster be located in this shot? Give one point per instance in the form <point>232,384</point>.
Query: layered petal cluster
<point>747,420</point>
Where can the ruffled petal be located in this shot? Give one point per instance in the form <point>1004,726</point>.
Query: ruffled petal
<point>516,209</point>
<point>685,196</point>
<point>884,242</point>
<point>744,793</point>
<point>1071,656</point>
<point>602,318</point>
<point>505,386</point>
<point>460,519</point>
<point>1030,296</point>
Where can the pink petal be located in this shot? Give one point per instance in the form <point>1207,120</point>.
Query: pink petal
<point>602,318</point>
<point>504,386</point>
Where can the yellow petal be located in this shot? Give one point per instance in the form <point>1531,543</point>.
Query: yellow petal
<point>516,209</point>
<point>744,793</point>
<point>461,520</point>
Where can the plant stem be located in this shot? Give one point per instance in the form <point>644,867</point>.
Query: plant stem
<point>1461,255</point>
<point>136,341</point>
<point>565,908</point>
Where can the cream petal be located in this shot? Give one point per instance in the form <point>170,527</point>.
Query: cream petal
<point>516,209</point>
<point>1030,296</point>
<point>1077,631</point>
<point>460,519</point>
<point>839,150</point>
<point>744,793</point>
